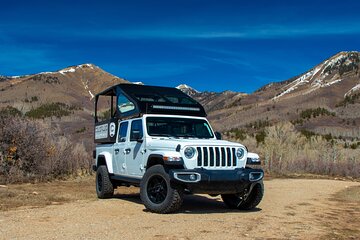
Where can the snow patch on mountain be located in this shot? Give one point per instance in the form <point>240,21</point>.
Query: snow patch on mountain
<point>355,88</point>
<point>298,82</point>
<point>47,73</point>
<point>74,68</point>
<point>67,70</point>
<point>91,94</point>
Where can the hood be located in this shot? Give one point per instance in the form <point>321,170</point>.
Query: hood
<point>172,143</point>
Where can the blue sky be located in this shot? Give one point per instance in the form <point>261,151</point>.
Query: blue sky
<point>209,45</point>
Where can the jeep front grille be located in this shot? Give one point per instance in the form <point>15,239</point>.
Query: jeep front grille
<point>216,157</point>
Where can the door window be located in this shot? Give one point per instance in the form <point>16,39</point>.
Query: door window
<point>136,130</point>
<point>123,131</point>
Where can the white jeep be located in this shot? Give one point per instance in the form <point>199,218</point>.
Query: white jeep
<point>159,139</point>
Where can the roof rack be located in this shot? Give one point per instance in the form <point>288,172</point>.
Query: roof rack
<point>134,100</point>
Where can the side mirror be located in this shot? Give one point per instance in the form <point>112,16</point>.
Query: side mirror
<point>218,135</point>
<point>136,136</point>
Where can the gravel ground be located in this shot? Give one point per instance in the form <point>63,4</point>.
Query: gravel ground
<point>291,209</point>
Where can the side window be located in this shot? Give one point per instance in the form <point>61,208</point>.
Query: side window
<point>124,104</point>
<point>123,131</point>
<point>136,130</point>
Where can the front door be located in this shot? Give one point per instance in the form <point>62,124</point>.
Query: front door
<point>135,150</point>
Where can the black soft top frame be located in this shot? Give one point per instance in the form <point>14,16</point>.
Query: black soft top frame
<point>152,100</point>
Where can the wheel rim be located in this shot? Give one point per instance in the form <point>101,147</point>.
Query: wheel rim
<point>99,182</point>
<point>157,189</point>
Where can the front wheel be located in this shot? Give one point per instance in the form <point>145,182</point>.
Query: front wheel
<point>246,201</point>
<point>104,187</point>
<point>156,192</point>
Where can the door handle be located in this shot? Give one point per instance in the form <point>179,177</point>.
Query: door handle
<point>127,151</point>
<point>117,151</point>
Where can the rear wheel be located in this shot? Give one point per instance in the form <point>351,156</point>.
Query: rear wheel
<point>104,186</point>
<point>245,201</point>
<point>156,192</point>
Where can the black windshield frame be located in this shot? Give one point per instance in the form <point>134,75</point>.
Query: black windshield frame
<point>178,127</point>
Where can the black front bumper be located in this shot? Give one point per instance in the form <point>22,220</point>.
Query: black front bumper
<point>216,181</point>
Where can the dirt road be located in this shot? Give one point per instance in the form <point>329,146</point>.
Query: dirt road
<point>291,209</point>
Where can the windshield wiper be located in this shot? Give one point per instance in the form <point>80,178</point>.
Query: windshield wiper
<point>161,135</point>
<point>187,136</point>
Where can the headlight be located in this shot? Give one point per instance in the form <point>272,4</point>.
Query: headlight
<point>240,152</point>
<point>189,152</point>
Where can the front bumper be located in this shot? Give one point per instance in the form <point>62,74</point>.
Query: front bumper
<point>216,181</point>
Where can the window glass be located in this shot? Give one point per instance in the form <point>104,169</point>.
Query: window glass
<point>104,111</point>
<point>136,130</point>
<point>178,127</point>
<point>123,131</point>
<point>124,104</point>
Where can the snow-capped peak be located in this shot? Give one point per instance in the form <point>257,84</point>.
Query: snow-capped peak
<point>325,74</point>
<point>184,88</point>
<point>74,68</point>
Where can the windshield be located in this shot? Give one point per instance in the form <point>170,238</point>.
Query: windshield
<point>178,127</point>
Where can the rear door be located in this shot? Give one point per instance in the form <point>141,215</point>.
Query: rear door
<point>119,148</point>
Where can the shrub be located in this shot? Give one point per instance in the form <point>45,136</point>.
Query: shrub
<point>51,110</point>
<point>308,134</point>
<point>308,113</point>
<point>260,137</point>
<point>239,133</point>
<point>286,151</point>
<point>10,111</point>
<point>81,130</point>
<point>348,100</point>
<point>259,124</point>
<point>30,150</point>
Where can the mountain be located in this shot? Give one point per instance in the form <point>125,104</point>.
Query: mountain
<point>187,89</point>
<point>212,100</point>
<point>63,97</point>
<point>339,70</point>
<point>323,100</point>
<point>75,85</point>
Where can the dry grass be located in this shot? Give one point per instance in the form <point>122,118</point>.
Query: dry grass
<point>351,194</point>
<point>286,152</point>
<point>41,194</point>
<point>29,195</point>
<point>347,227</point>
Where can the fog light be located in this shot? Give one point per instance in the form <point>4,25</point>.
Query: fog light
<point>254,177</point>
<point>192,177</point>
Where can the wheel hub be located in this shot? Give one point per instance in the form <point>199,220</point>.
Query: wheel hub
<point>157,189</point>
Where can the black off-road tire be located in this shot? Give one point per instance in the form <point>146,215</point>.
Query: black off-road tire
<point>234,201</point>
<point>156,192</point>
<point>104,186</point>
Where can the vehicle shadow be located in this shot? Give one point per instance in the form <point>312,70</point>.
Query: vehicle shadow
<point>130,197</point>
<point>199,204</point>
<point>193,204</point>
